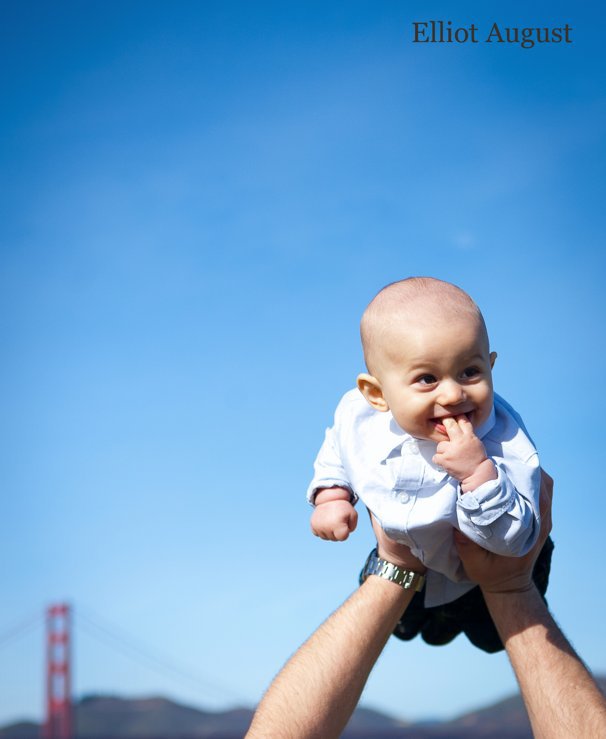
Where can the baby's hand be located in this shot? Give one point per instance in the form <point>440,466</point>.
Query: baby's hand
<point>334,517</point>
<point>463,456</point>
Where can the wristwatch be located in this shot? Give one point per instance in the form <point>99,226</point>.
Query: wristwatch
<point>405,578</point>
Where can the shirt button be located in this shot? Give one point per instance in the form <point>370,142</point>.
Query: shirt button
<point>403,497</point>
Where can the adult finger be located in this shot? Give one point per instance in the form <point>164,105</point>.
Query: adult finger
<point>394,552</point>
<point>545,501</point>
<point>546,490</point>
<point>496,573</point>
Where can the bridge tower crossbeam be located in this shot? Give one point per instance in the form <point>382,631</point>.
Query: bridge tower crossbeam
<point>58,724</point>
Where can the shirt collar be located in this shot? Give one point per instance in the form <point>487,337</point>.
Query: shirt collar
<point>488,424</point>
<point>391,436</point>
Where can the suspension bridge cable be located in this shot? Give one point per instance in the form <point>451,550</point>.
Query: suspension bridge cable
<point>20,629</point>
<point>119,639</point>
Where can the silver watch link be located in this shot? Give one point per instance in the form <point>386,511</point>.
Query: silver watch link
<point>407,579</point>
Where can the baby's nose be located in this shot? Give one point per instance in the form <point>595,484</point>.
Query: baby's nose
<point>451,393</point>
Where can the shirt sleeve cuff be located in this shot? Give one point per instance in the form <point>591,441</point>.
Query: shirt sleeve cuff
<point>322,484</point>
<point>489,501</point>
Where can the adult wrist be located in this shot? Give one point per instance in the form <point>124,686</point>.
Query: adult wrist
<point>511,588</point>
<point>406,578</point>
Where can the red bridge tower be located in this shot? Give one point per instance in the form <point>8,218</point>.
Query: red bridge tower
<point>58,673</point>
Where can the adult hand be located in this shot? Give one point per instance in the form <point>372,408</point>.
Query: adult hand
<point>498,574</point>
<point>392,551</point>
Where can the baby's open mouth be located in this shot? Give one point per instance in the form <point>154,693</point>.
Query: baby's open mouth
<point>439,422</point>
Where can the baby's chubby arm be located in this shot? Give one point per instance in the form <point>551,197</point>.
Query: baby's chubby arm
<point>496,507</point>
<point>463,456</point>
<point>334,516</point>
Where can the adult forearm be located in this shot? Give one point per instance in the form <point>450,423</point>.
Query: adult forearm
<point>317,690</point>
<point>560,694</point>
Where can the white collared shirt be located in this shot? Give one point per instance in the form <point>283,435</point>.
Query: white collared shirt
<point>418,504</point>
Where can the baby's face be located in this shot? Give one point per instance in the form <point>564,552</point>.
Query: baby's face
<point>432,372</point>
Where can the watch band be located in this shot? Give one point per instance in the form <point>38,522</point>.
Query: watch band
<point>407,579</point>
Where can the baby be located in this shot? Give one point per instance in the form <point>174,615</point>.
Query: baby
<point>427,446</point>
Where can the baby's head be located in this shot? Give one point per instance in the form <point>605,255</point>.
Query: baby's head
<point>427,354</point>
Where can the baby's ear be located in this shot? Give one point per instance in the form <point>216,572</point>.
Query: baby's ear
<point>370,388</point>
<point>493,358</point>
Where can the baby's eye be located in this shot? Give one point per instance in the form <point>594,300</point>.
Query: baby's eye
<point>426,379</point>
<point>470,372</point>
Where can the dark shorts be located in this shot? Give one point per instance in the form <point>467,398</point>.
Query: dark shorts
<point>467,614</point>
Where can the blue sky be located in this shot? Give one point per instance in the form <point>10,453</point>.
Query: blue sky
<point>198,201</point>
